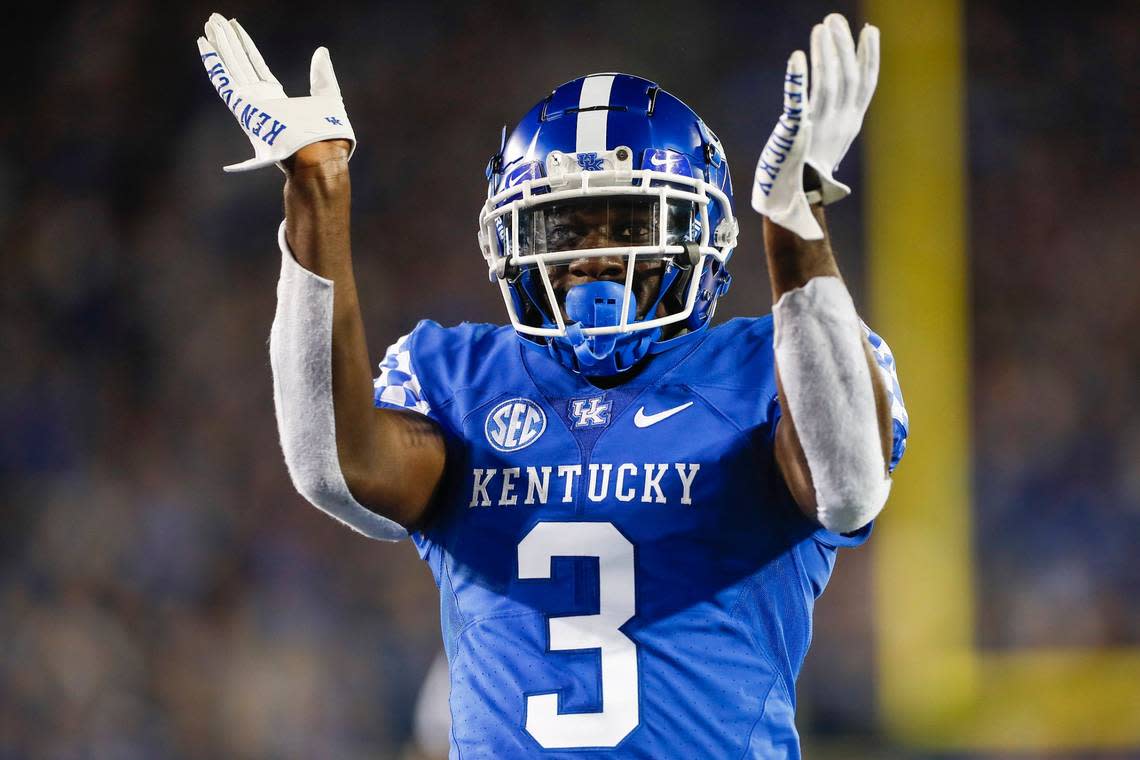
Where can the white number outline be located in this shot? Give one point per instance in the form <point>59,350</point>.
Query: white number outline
<point>620,713</point>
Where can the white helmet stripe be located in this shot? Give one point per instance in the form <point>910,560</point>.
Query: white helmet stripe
<point>592,124</point>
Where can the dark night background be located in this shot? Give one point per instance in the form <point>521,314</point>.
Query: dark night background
<point>163,590</point>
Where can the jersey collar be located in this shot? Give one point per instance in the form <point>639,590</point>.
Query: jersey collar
<point>556,379</point>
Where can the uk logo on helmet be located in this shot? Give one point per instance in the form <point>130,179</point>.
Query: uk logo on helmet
<point>514,424</point>
<point>590,162</point>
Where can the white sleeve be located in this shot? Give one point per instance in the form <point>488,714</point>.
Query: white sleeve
<point>823,368</point>
<point>300,353</point>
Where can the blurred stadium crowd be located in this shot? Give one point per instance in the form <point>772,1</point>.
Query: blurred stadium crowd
<point>165,593</point>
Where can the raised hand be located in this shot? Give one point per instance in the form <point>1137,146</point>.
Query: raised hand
<point>843,79</point>
<point>816,131</point>
<point>778,187</point>
<point>277,125</point>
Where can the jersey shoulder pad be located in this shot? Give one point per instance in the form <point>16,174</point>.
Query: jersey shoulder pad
<point>450,359</point>
<point>735,354</point>
<point>732,369</point>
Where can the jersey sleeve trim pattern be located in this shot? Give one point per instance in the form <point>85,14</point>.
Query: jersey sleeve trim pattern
<point>889,372</point>
<point>886,361</point>
<point>397,386</point>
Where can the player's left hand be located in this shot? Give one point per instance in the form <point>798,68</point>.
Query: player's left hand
<point>843,79</point>
<point>778,187</point>
<point>277,126</point>
<point>816,131</point>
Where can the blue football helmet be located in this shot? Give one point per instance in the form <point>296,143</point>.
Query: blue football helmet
<point>609,166</point>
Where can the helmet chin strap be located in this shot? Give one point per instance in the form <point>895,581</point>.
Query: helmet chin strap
<point>599,304</point>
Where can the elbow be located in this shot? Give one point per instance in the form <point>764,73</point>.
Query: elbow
<point>330,492</point>
<point>316,490</point>
<point>855,506</point>
<point>385,495</point>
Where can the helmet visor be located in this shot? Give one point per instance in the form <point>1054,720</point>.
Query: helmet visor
<point>578,224</point>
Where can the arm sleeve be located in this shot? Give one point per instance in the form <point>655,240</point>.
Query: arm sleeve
<point>300,353</point>
<point>900,423</point>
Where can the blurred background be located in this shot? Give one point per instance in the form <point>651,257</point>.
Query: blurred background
<point>163,590</point>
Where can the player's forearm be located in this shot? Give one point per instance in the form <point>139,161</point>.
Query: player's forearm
<point>792,263</point>
<point>317,216</point>
<point>331,435</point>
<point>390,460</point>
<point>318,203</point>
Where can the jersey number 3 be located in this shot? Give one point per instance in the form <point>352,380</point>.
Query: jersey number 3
<point>619,713</point>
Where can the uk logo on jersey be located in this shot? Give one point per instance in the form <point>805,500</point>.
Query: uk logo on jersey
<point>514,424</point>
<point>590,412</point>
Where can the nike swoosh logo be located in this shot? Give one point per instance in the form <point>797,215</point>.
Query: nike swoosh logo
<point>643,420</point>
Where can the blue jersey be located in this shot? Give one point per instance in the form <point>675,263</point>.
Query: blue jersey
<point>622,572</point>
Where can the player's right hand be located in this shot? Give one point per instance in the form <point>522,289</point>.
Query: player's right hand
<point>277,126</point>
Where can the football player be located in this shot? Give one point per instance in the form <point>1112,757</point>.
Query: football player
<point>629,512</point>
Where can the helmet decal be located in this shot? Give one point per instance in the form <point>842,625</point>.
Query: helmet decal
<point>593,113</point>
<point>590,162</point>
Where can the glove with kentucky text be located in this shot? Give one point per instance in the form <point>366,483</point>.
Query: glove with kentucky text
<point>278,126</point>
<point>816,132</point>
<point>843,79</point>
<point>778,188</point>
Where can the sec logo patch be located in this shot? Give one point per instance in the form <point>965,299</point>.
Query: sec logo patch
<point>515,424</point>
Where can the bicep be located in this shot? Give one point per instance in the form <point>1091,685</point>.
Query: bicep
<point>410,449</point>
<point>409,468</point>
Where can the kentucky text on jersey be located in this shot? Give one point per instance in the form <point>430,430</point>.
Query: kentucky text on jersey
<point>648,483</point>
<point>252,120</point>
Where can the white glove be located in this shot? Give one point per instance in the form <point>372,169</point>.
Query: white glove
<point>278,126</point>
<point>778,188</point>
<point>842,83</point>
<point>819,131</point>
